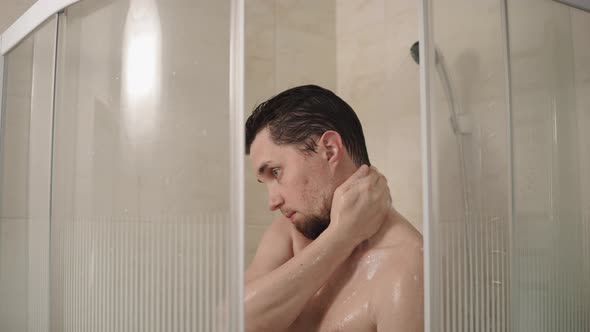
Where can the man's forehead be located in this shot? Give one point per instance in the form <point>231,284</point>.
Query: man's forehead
<point>262,150</point>
<point>264,144</point>
<point>261,142</point>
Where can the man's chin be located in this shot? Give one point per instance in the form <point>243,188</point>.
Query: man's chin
<point>312,229</point>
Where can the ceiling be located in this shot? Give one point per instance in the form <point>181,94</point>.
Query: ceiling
<point>10,10</point>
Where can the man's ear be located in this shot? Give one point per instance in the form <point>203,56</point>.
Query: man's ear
<point>331,147</point>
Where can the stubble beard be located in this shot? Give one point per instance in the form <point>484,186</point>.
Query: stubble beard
<point>314,225</point>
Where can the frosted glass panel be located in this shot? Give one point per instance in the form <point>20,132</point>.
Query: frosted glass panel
<point>25,163</point>
<point>509,117</point>
<point>141,234</point>
<point>550,66</point>
<point>470,225</point>
<point>14,199</point>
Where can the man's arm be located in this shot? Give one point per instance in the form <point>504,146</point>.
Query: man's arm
<point>274,249</point>
<point>273,300</point>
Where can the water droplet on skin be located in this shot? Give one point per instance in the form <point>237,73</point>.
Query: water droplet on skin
<point>396,292</point>
<point>372,263</point>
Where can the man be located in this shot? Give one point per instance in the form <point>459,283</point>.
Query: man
<point>340,258</point>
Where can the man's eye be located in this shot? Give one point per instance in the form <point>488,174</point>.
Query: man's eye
<point>275,172</point>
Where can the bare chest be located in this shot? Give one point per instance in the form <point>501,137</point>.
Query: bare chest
<point>346,310</point>
<point>342,304</point>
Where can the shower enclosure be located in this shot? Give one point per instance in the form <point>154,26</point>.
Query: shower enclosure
<point>121,153</point>
<point>120,167</point>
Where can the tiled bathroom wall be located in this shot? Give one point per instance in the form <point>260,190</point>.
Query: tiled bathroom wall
<point>379,79</point>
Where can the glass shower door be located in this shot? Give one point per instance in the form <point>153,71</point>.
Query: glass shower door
<point>468,166</point>
<point>507,157</point>
<point>550,85</point>
<point>142,234</point>
<point>25,172</point>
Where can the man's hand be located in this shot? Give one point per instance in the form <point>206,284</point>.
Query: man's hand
<point>360,205</point>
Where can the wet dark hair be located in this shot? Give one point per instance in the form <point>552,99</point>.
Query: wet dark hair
<point>302,114</point>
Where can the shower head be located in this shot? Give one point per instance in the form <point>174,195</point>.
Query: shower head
<point>415,51</point>
<point>441,70</point>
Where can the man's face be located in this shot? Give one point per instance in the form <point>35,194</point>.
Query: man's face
<point>300,185</point>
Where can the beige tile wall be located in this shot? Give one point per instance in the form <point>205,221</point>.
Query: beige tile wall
<point>379,79</point>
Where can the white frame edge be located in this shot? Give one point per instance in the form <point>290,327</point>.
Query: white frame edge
<point>426,61</point>
<point>30,20</point>
<point>510,320</point>
<point>1,93</point>
<point>237,154</point>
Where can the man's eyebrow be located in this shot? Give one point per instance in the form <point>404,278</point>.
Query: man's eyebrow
<point>261,171</point>
<point>262,168</point>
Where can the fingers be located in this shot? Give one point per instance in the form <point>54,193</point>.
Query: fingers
<point>360,173</point>
<point>376,176</point>
<point>379,185</point>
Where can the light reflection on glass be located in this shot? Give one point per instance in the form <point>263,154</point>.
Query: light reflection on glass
<point>141,68</point>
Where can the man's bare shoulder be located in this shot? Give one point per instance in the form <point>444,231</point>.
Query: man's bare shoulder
<point>397,290</point>
<point>400,245</point>
<point>400,259</point>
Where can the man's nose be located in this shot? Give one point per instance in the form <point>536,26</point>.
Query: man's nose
<point>274,200</point>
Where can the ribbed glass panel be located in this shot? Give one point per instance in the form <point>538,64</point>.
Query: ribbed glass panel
<point>143,236</point>
<point>141,275</point>
<point>549,52</point>
<point>509,212</point>
<point>472,289</point>
<point>470,219</point>
<point>25,164</point>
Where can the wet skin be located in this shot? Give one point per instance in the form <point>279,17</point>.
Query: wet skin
<point>363,273</point>
<point>368,285</point>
